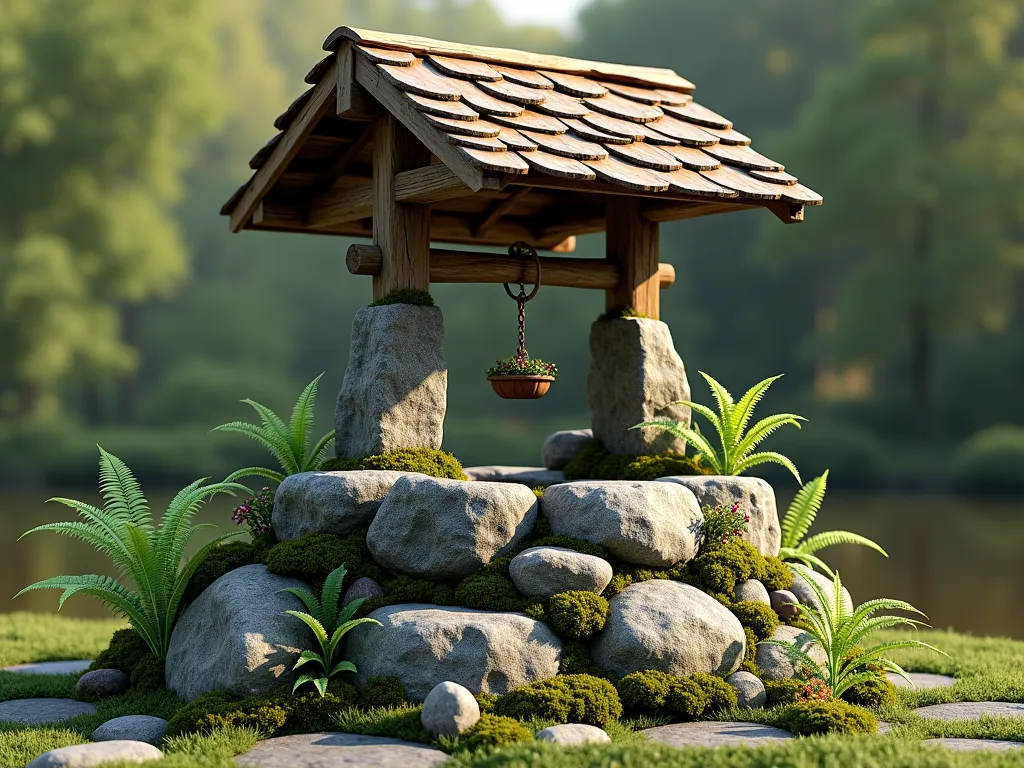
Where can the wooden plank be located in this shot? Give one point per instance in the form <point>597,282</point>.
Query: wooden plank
<point>400,230</point>
<point>486,143</point>
<point>774,177</point>
<point>286,148</point>
<point>515,140</point>
<point>798,193</point>
<point>465,68</point>
<point>370,77</point>
<point>615,126</point>
<point>695,159</point>
<point>744,183</point>
<point>432,184</point>
<point>631,92</point>
<point>517,94</point>
<point>626,175</point>
<point>729,136</point>
<point>499,209</point>
<point>283,120</point>
<point>453,110</point>
<point>352,100</point>
<point>531,121</point>
<point>699,114</point>
<point>258,160</point>
<point>448,266</point>
<point>662,78</point>
<point>484,102</point>
<point>527,77</point>
<point>590,133</point>
<point>691,182</point>
<point>560,105</point>
<point>645,155</point>
<point>340,206</point>
<point>631,243</point>
<point>744,157</point>
<point>498,162</point>
<point>567,145</point>
<point>574,85</point>
<point>556,165</point>
<point>662,212</point>
<point>625,109</point>
<point>467,127</point>
<point>385,56</point>
<point>681,131</point>
<point>321,68</point>
<point>674,98</point>
<point>343,161</point>
<point>272,216</point>
<point>420,79</point>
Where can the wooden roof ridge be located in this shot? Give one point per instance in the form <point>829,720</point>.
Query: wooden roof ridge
<point>423,46</point>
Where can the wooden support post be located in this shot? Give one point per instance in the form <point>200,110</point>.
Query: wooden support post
<point>632,244</point>
<point>400,230</point>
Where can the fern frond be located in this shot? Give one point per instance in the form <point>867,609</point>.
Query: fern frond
<point>343,666</point>
<point>312,603</point>
<point>310,621</point>
<point>744,409</point>
<point>793,556</point>
<point>696,440</point>
<point>269,474</point>
<point>766,457</point>
<point>803,510</point>
<point>347,627</point>
<point>726,406</point>
<point>832,538</point>
<point>331,595</point>
<point>321,452</point>
<point>277,430</point>
<point>302,419</point>
<point>762,430</point>
<point>121,492</point>
<point>307,656</point>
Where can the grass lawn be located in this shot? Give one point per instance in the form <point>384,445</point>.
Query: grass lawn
<point>986,668</point>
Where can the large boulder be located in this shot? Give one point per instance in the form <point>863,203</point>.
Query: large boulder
<point>645,523</point>
<point>635,375</point>
<point>329,502</point>
<point>423,645</point>
<point>236,637</point>
<point>755,497</point>
<point>546,571</point>
<point>562,447</point>
<point>776,664</point>
<point>394,393</point>
<point>807,596</point>
<point>144,728</point>
<point>95,755</point>
<point>447,529</point>
<point>671,627</point>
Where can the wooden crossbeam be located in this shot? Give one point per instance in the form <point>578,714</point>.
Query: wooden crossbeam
<point>499,209</point>
<point>481,267</point>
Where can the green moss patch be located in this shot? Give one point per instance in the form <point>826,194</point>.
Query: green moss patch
<point>563,699</point>
<point>594,462</point>
<point>812,718</point>
<point>406,296</point>
<point>652,692</point>
<point>312,557</point>
<point>577,615</point>
<point>129,653</point>
<point>425,461</point>
<point>220,561</point>
<point>383,692</point>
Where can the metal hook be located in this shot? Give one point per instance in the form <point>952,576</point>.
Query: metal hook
<point>523,250</point>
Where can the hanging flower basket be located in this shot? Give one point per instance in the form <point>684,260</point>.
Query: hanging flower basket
<point>521,378</point>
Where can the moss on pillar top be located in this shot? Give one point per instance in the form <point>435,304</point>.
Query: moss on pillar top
<point>406,296</point>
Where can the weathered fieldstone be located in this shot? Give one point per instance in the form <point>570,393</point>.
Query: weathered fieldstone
<point>423,645</point>
<point>645,523</point>
<point>101,684</point>
<point>329,502</point>
<point>755,497</point>
<point>365,588</point>
<point>921,680</point>
<point>717,734</point>
<point>235,636</point>
<point>446,529</point>
<point>42,711</point>
<point>635,375</point>
<point>546,571</point>
<point>100,753</point>
<point>532,477</point>
<point>671,627</point>
<point>68,667</point>
<point>753,591</point>
<point>806,595</point>
<point>775,664</point>
<point>562,447</point>
<point>573,733</point>
<point>972,710</point>
<point>749,689</point>
<point>340,750</point>
<point>449,710</point>
<point>783,602</point>
<point>144,728</point>
<point>394,393</point>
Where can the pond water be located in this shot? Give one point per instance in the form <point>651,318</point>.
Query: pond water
<point>959,560</point>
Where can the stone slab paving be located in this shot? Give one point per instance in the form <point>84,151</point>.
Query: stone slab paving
<point>40,711</point>
<point>531,476</point>
<point>975,745</point>
<point>51,667</point>
<point>340,750</point>
<point>972,710</point>
<point>921,680</point>
<point>717,734</point>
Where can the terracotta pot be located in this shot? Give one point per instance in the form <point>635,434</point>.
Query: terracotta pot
<point>521,387</point>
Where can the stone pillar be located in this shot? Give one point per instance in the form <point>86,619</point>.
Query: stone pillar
<point>635,372</point>
<point>395,389</point>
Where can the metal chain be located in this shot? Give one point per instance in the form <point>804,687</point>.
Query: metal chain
<point>522,250</point>
<point>521,300</point>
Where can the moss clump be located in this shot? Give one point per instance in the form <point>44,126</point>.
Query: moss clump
<point>568,542</point>
<point>489,589</point>
<point>626,575</point>
<point>653,692</point>
<point>219,561</point>
<point>536,610</point>
<point>810,718</point>
<point>782,692</point>
<point>486,701</point>
<point>538,491</point>
<point>148,674</point>
<point>425,461</point>
<point>576,661</point>
<point>594,462</point>
<point>577,615</point>
<point>309,712</point>
<point>879,692</point>
<point>717,570</point>
<point>383,692</point>
<point>750,653</point>
<point>776,575</point>
<point>406,296</point>
<point>313,556</point>
<point>564,699</point>
<point>406,589</point>
<point>620,313</point>
<point>494,731</point>
<point>757,617</point>
<point>125,651</point>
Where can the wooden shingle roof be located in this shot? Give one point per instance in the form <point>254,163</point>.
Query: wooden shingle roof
<point>526,146</point>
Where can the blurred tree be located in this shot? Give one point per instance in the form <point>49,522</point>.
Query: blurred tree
<point>97,102</point>
<point>919,151</point>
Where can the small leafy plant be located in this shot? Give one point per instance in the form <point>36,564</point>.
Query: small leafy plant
<point>287,443</point>
<point>149,555</point>
<point>722,523</point>
<point>840,632</point>
<point>329,626</point>
<point>800,517</point>
<point>738,443</point>
<point>522,366</point>
<point>255,513</point>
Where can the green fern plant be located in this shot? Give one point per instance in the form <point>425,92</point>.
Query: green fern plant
<point>329,626</point>
<point>840,632</point>
<point>287,443</point>
<point>148,556</point>
<point>737,442</point>
<point>798,520</point>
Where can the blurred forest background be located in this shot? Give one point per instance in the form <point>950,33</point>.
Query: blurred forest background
<point>130,316</point>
